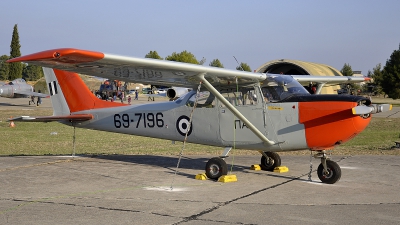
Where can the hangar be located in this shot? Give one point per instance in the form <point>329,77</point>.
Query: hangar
<point>297,67</point>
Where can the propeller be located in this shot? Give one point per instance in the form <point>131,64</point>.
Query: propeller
<point>373,108</point>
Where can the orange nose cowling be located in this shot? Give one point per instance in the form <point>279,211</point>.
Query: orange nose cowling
<point>330,123</point>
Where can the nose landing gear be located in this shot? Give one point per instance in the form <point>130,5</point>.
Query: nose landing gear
<point>328,171</point>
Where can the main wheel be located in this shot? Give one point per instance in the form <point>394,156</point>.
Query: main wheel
<point>269,163</point>
<point>215,168</point>
<point>332,176</point>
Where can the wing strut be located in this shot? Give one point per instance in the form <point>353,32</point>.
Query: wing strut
<point>235,111</point>
<point>319,88</point>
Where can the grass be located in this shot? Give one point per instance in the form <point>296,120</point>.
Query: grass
<point>381,100</point>
<point>57,139</point>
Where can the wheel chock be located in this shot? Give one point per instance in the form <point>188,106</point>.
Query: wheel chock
<point>227,178</point>
<point>281,169</point>
<point>255,167</point>
<point>201,176</point>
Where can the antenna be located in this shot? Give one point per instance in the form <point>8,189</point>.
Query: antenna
<point>238,63</point>
<point>202,61</point>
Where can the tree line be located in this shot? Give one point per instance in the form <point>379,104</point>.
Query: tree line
<point>386,80</point>
<point>188,57</point>
<point>11,71</point>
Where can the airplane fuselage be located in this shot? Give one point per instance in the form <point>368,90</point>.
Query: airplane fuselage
<point>292,125</point>
<point>14,88</point>
<point>263,112</point>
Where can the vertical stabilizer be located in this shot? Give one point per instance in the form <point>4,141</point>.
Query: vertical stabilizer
<point>69,94</point>
<point>60,106</point>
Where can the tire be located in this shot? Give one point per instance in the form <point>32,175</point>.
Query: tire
<point>334,172</point>
<point>269,164</point>
<point>215,168</point>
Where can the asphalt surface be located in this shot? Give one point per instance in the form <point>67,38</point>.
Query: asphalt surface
<point>137,189</point>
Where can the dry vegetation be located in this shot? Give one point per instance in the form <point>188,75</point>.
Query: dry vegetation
<point>57,139</point>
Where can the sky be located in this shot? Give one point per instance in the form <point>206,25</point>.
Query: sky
<point>361,33</point>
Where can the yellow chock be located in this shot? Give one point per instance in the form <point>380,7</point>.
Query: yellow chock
<point>281,169</point>
<point>255,167</point>
<point>227,178</point>
<point>201,176</point>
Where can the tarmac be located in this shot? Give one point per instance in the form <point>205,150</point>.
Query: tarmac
<point>137,189</point>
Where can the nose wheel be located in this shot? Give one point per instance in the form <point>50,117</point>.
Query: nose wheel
<point>328,171</point>
<point>332,173</point>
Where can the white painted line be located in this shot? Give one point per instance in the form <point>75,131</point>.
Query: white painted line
<point>168,189</point>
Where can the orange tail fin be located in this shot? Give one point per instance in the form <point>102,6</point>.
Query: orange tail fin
<point>70,94</point>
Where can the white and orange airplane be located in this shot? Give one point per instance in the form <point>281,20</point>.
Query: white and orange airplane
<point>268,113</point>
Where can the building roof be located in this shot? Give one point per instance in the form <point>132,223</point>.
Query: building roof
<point>297,67</point>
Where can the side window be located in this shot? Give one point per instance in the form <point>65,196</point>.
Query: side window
<point>241,97</point>
<point>205,100</point>
<point>271,94</point>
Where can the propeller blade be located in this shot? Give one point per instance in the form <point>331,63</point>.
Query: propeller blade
<point>361,110</point>
<point>373,108</point>
<point>377,108</point>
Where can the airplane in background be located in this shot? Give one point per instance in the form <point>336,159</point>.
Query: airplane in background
<point>18,88</point>
<point>268,113</point>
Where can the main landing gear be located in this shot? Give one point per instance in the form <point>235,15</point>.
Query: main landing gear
<point>328,171</point>
<point>216,167</point>
<point>270,160</point>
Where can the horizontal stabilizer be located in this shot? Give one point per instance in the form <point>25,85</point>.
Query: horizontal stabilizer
<point>71,118</point>
<point>373,108</point>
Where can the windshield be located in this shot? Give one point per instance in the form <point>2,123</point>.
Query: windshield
<point>279,87</point>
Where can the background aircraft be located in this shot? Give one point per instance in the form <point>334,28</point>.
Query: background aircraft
<point>268,113</point>
<point>18,88</point>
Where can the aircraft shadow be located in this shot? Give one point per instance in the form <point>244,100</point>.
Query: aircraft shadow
<point>159,161</point>
<point>170,163</point>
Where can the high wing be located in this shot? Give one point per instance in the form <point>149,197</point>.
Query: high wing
<point>137,70</point>
<point>322,81</point>
<point>305,79</point>
<point>31,93</point>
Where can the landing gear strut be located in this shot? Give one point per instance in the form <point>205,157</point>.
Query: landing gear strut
<point>270,160</point>
<point>328,171</point>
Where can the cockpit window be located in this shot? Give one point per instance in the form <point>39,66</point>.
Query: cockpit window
<point>279,87</point>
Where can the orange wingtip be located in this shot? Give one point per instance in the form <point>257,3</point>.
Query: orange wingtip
<point>63,55</point>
